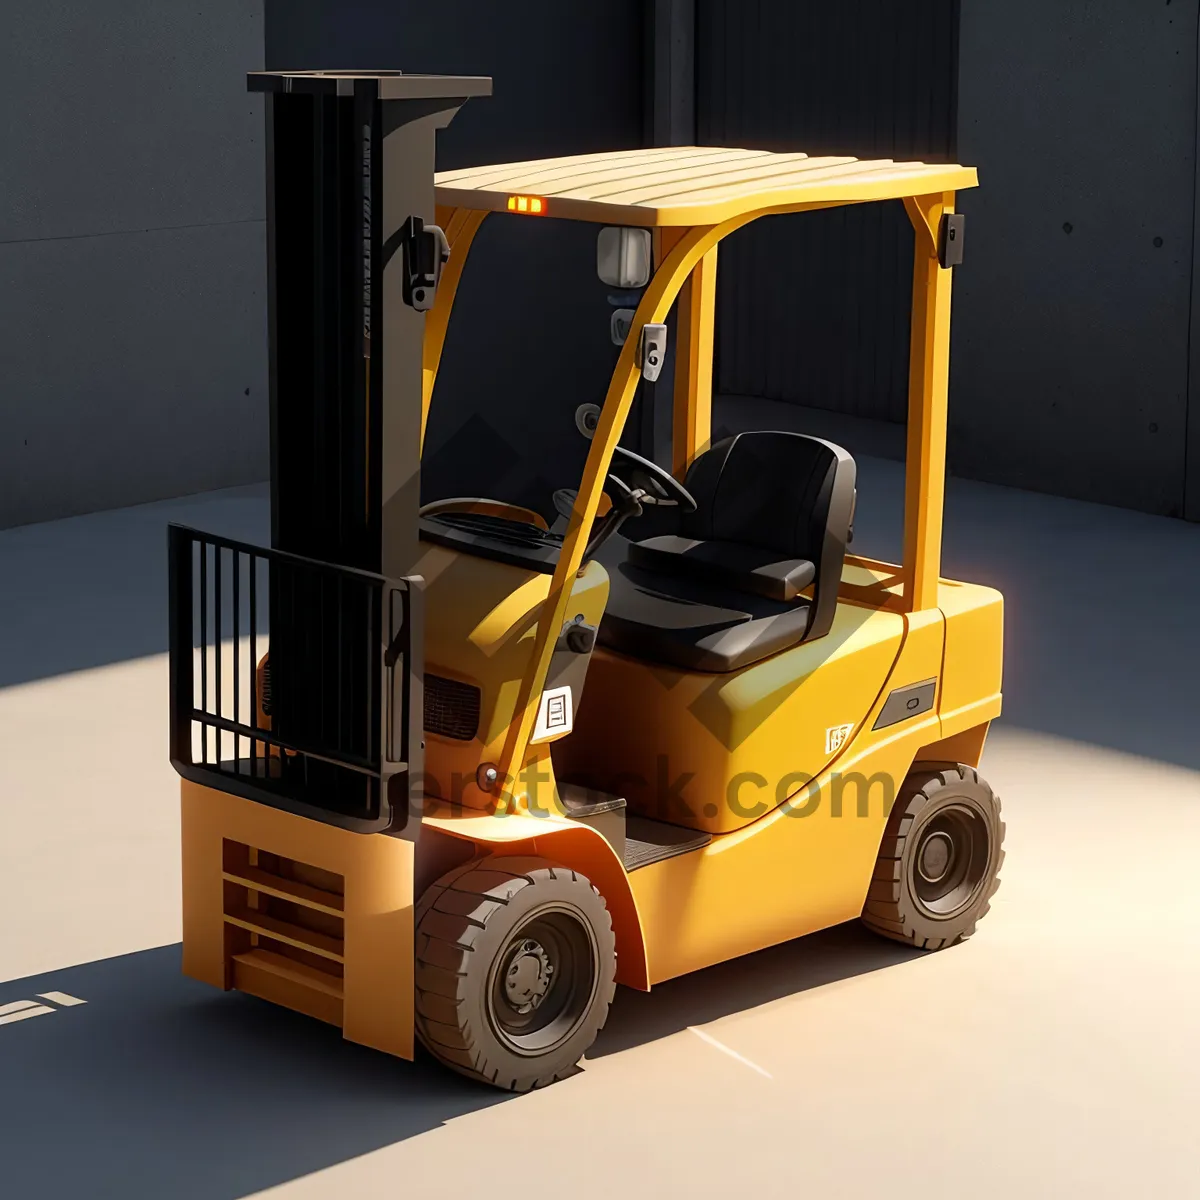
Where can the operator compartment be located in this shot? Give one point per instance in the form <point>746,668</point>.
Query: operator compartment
<point>707,677</point>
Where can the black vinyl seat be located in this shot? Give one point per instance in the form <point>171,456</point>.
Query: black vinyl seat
<point>774,513</point>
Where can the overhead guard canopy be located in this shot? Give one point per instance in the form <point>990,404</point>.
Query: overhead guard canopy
<point>692,185</point>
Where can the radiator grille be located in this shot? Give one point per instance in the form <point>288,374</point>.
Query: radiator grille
<point>451,708</point>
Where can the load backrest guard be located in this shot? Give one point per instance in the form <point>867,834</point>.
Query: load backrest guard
<point>353,766</point>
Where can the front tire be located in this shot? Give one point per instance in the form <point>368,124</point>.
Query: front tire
<point>515,970</point>
<point>939,861</point>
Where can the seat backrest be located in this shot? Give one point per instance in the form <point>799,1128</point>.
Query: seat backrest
<point>784,492</point>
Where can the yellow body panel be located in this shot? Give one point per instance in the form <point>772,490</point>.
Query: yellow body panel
<point>354,970</point>
<point>693,747</point>
<point>803,867</point>
<point>974,655</point>
<point>791,868</point>
<point>482,618</point>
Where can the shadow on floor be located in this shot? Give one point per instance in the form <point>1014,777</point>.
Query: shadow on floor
<point>745,983</point>
<point>160,1086</point>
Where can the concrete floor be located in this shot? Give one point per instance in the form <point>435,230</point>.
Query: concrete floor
<point>1056,1054</point>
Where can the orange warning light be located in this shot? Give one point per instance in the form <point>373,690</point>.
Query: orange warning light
<point>527,204</point>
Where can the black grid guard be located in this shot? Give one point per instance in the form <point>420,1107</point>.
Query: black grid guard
<point>344,743</point>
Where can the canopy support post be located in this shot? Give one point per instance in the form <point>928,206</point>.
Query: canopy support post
<point>928,391</point>
<point>691,426</point>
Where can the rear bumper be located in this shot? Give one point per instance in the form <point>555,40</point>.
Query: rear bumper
<point>300,913</point>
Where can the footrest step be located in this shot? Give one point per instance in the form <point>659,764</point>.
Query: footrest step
<point>648,841</point>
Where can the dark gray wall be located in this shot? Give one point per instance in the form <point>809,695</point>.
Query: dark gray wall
<point>132,268</point>
<point>567,79</point>
<point>132,339</point>
<point>813,308</point>
<point>1070,369</point>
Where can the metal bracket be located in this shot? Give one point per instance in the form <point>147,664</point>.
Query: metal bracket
<point>425,250</point>
<point>940,232</point>
<point>652,350</point>
<point>951,233</point>
<point>925,213</point>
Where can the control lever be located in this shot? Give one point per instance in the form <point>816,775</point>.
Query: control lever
<point>626,503</point>
<point>564,505</point>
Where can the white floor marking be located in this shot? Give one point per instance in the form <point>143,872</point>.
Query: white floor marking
<point>712,1041</point>
<point>23,1010</point>
<point>16,1006</point>
<point>61,998</point>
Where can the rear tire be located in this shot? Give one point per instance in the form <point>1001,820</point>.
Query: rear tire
<point>515,970</point>
<point>939,861</point>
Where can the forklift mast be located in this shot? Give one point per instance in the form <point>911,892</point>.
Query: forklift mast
<point>350,163</point>
<point>331,728</point>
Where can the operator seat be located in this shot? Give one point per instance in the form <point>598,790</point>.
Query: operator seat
<point>774,515</point>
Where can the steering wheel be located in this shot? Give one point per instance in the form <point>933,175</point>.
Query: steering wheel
<point>633,482</point>
<point>632,473</point>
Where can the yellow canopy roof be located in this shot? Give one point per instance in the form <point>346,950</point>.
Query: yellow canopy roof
<point>691,185</point>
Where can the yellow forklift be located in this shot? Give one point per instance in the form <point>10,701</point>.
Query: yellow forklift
<point>402,812</point>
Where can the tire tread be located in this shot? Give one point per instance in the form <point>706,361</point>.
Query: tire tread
<point>451,917</point>
<point>885,909</point>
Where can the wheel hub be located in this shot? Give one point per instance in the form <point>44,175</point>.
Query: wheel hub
<point>937,857</point>
<point>542,984</point>
<point>528,976</point>
<point>950,862</point>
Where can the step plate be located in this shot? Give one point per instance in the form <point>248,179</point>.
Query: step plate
<point>648,841</point>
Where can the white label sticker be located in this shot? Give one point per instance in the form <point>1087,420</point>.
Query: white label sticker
<point>556,715</point>
<point>835,737</point>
